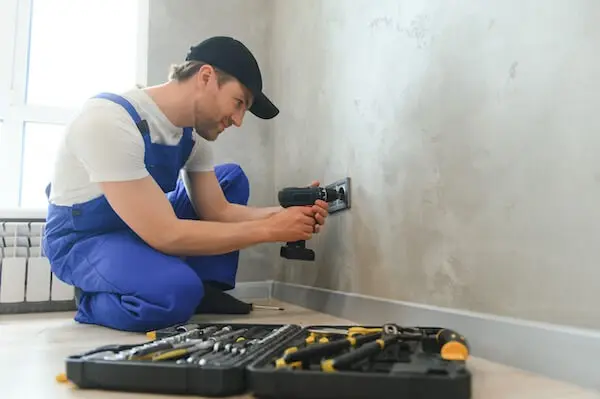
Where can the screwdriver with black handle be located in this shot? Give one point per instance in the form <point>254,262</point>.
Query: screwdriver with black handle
<point>295,358</point>
<point>347,360</point>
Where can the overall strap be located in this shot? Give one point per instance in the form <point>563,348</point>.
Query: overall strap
<point>188,142</point>
<point>141,124</point>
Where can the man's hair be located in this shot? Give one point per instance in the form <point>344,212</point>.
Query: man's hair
<point>184,71</point>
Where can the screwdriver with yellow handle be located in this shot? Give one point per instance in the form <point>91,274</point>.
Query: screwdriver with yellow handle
<point>296,357</point>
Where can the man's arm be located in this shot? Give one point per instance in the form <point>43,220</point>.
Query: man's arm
<point>146,210</point>
<point>143,206</point>
<point>209,201</point>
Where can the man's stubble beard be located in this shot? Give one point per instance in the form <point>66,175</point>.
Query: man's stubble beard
<point>206,134</point>
<point>208,131</point>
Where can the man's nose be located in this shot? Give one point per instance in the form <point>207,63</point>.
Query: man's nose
<point>237,119</point>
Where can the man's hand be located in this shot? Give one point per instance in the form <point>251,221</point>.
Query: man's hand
<point>320,210</point>
<point>291,224</point>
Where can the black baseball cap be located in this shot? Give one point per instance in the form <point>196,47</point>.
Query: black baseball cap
<point>234,58</point>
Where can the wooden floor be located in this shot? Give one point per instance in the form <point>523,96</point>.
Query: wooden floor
<point>33,348</point>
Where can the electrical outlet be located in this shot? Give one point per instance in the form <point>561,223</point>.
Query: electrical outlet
<point>341,186</point>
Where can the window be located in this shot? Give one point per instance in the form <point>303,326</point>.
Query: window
<point>56,54</point>
<point>40,144</point>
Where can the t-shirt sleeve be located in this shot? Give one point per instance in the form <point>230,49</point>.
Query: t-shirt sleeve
<point>106,141</point>
<point>201,158</point>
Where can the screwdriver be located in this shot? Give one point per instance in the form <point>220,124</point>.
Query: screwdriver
<point>295,357</point>
<point>345,361</point>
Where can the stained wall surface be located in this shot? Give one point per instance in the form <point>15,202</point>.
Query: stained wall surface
<point>470,132</point>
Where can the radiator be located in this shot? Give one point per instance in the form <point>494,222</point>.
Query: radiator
<point>27,284</point>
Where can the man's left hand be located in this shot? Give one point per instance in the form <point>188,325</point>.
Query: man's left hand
<point>320,209</point>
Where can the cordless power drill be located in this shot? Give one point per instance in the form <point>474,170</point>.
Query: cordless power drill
<point>304,196</point>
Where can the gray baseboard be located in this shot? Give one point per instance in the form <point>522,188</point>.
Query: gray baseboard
<point>252,290</point>
<point>561,353</point>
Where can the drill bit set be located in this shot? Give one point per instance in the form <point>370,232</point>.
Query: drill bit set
<point>282,361</point>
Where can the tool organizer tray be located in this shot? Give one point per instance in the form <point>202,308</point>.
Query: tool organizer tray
<point>167,376</point>
<point>407,370</point>
<point>259,360</point>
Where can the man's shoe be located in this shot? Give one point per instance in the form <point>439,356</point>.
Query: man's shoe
<point>215,301</point>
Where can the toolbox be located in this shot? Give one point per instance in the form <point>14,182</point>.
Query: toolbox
<point>283,361</point>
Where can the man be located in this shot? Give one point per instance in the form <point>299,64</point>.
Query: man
<point>141,250</point>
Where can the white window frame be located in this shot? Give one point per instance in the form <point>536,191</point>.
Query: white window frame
<point>15,23</point>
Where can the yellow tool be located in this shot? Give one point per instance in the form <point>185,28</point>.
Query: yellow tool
<point>453,345</point>
<point>294,357</point>
<point>315,336</point>
<point>352,331</point>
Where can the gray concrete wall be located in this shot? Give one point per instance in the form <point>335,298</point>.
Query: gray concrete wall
<point>470,131</point>
<point>175,25</point>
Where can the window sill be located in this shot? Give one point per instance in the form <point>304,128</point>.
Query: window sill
<point>23,214</point>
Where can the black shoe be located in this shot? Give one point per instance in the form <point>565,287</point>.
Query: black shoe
<point>215,301</point>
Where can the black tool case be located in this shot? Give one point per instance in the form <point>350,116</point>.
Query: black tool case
<point>411,369</point>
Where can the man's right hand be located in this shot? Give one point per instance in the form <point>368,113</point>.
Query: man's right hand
<point>292,224</point>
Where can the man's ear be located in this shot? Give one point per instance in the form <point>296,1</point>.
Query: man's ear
<point>204,74</point>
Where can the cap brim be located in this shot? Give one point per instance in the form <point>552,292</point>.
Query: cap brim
<point>263,108</point>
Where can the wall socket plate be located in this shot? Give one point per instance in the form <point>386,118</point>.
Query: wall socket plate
<point>343,203</point>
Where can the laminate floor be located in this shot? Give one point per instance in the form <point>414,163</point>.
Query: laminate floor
<point>34,346</point>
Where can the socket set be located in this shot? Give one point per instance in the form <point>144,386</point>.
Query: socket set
<point>196,359</point>
<point>284,360</point>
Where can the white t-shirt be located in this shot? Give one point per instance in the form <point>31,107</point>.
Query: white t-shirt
<point>102,143</point>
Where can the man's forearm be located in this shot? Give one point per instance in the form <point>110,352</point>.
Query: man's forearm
<point>241,213</point>
<point>192,237</point>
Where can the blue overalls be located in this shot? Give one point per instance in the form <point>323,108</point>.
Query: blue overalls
<point>126,284</point>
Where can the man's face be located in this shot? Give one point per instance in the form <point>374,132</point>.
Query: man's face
<point>219,107</point>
